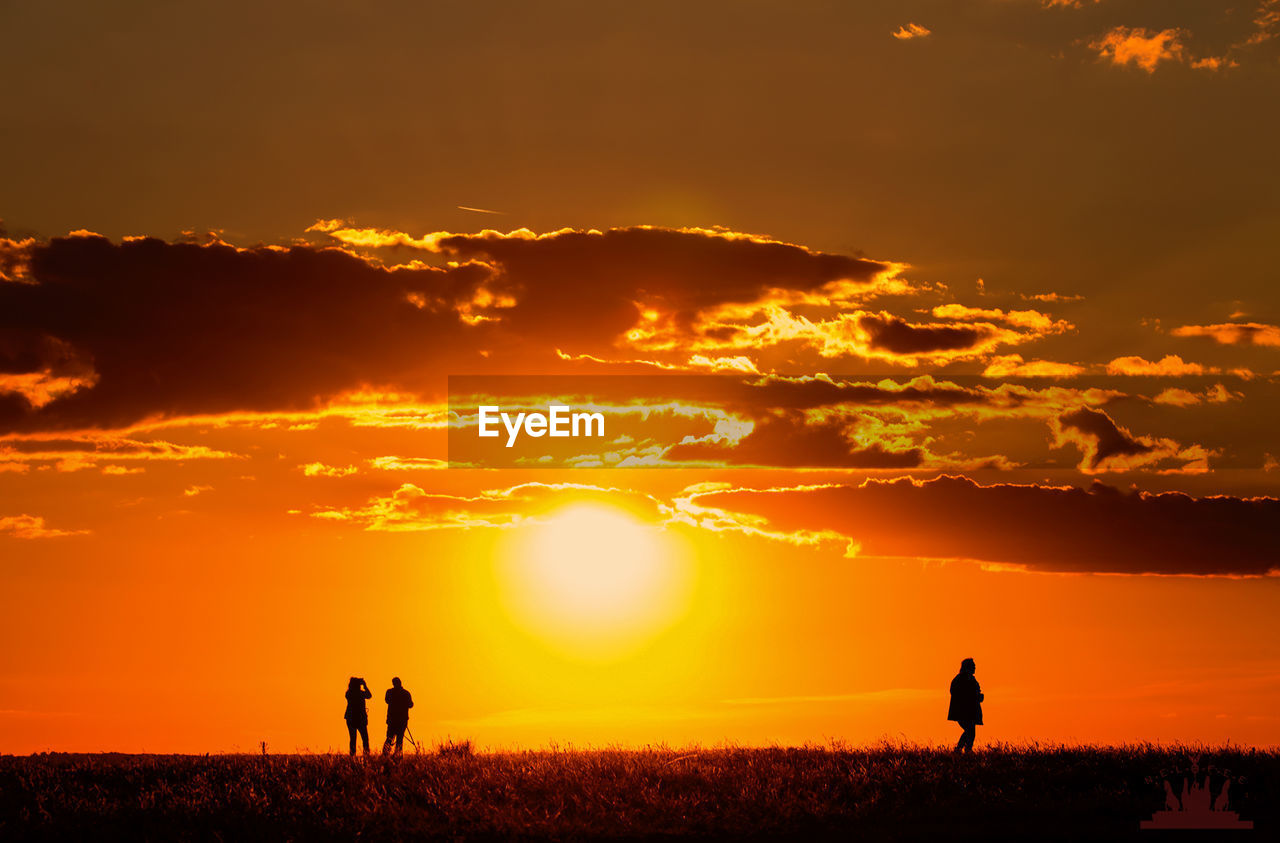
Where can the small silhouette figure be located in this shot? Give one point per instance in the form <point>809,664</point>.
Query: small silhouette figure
<point>357,715</point>
<point>1197,808</point>
<point>966,704</point>
<point>399,701</point>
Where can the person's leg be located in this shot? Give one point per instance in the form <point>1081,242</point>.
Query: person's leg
<point>400,740</point>
<point>386,745</point>
<point>364,737</point>
<point>351,733</point>
<point>962,745</point>
<point>966,738</point>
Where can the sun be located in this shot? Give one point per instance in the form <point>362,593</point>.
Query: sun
<point>594,581</point>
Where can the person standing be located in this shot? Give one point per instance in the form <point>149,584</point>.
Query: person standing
<point>966,704</point>
<point>399,701</point>
<point>357,715</point>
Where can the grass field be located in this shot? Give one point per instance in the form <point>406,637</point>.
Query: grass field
<point>880,793</point>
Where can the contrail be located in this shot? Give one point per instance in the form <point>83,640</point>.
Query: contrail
<point>480,210</point>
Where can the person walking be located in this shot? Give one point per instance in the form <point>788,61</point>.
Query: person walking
<point>966,704</point>
<point>357,715</point>
<point>399,701</point>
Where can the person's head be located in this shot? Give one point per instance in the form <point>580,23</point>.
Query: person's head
<point>395,681</point>
<point>354,683</point>
<point>968,666</point>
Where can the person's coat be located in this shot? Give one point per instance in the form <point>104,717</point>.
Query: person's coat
<point>357,714</point>
<point>966,699</point>
<point>399,701</point>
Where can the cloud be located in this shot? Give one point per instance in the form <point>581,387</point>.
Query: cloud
<point>1214,63</point>
<point>650,279</point>
<point>899,337</point>
<point>1171,365</point>
<point>1105,446</point>
<point>80,450</point>
<point>170,329</point>
<point>32,527</point>
<point>1234,333</point>
<point>411,508</point>
<point>1265,22</point>
<point>1032,320</point>
<point>1041,528</point>
<point>1216,394</point>
<point>911,30</point>
<point>393,463</point>
<point>1139,46</point>
<point>714,294</point>
<point>788,440</point>
<point>1099,438</point>
<point>319,469</point>
<point>102,334</point>
<point>1013,366</point>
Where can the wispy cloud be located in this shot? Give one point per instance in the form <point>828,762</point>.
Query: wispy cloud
<point>1234,333</point>
<point>33,527</point>
<point>1145,48</point>
<point>911,30</point>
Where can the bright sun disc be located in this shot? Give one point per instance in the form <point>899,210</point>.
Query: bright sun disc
<point>594,581</point>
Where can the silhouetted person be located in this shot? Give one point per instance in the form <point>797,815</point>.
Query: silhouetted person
<point>966,704</point>
<point>357,715</point>
<point>399,701</point>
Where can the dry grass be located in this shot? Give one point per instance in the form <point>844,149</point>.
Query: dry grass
<point>887,792</point>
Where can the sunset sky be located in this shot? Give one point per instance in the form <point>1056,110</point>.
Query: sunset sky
<point>921,330</point>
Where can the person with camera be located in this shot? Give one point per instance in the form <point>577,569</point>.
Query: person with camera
<point>399,701</point>
<point>357,715</point>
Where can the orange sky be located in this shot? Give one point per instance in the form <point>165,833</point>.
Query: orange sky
<point>919,334</point>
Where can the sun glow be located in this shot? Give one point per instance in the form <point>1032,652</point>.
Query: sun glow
<point>594,582</point>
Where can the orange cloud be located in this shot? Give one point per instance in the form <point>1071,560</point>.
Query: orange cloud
<point>1214,63</point>
<point>1013,366</point>
<point>911,30</point>
<point>33,527</point>
<point>1216,394</point>
<point>1041,528</point>
<point>1139,46</point>
<point>80,450</point>
<point>14,258</point>
<point>1234,333</point>
<point>413,509</point>
<point>1168,366</point>
<point>1031,320</point>
<point>41,388</point>
<point>1105,446</point>
<point>375,238</point>
<point>1051,297</point>
<point>1265,22</point>
<point>392,463</point>
<point>319,469</point>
